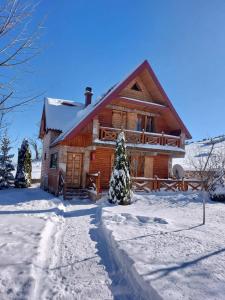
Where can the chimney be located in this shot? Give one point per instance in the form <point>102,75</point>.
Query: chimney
<point>88,95</point>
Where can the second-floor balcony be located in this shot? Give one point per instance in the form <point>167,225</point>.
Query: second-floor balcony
<point>142,138</point>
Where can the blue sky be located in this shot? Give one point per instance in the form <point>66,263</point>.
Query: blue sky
<point>96,43</point>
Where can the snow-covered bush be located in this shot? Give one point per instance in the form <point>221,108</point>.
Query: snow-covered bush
<point>217,187</point>
<point>120,182</point>
<point>6,166</point>
<point>24,167</point>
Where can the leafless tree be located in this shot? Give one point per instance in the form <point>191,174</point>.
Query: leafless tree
<point>204,165</point>
<point>18,45</point>
<point>34,142</point>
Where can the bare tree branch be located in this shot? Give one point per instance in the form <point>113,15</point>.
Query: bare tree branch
<point>18,45</point>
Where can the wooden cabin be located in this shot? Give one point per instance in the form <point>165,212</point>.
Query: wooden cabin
<point>79,139</point>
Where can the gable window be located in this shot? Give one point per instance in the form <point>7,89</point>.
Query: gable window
<point>136,87</point>
<point>54,161</point>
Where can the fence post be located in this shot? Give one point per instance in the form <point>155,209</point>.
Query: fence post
<point>98,183</point>
<point>162,139</point>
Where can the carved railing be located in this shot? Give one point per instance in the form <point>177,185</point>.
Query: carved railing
<point>155,184</point>
<point>140,137</point>
<point>93,182</point>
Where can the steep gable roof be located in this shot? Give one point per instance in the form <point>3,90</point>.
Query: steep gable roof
<point>88,113</point>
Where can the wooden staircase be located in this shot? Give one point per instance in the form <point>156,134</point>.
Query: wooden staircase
<point>71,192</point>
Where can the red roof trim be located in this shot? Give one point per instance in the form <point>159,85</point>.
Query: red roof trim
<point>155,79</point>
<point>106,101</point>
<point>112,95</point>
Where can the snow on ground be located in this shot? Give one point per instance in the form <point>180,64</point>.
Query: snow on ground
<point>156,248</point>
<point>51,249</point>
<point>36,169</point>
<point>167,252</point>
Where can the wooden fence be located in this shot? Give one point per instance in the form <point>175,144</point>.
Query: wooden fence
<point>155,184</point>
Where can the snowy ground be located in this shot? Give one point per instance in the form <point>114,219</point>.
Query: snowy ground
<point>50,250</point>
<point>153,249</point>
<point>161,241</point>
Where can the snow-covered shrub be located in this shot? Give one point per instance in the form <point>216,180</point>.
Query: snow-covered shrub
<point>6,166</point>
<point>120,182</point>
<point>24,167</point>
<point>217,187</point>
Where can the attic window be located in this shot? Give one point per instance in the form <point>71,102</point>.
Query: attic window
<point>136,87</point>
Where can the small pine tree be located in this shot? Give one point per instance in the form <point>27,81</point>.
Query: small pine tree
<point>24,167</point>
<point>6,166</point>
<point>217,187</point>
<point>120,182</point>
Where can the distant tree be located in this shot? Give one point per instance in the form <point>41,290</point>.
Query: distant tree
<point>120,182</point>
<point>217,186</point>
<point>35,145</point>
<point>24,167</point>
<point>6,165</point>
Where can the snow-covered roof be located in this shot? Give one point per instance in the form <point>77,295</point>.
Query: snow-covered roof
<point>81,115</point>
<point>59,113</point>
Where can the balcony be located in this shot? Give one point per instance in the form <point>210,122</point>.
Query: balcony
<point>142,139</point>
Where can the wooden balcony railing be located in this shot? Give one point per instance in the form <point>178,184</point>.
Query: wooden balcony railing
<point>141,137</point>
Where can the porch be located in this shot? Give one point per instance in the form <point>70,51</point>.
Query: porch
<point>139,184</point>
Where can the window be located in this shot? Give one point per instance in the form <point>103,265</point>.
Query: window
<point>136,87</point>
<point>146,123</point>
<point>136,165</point>
<point>149,124</point>
<point>140,122</point>
<point>54,160</point>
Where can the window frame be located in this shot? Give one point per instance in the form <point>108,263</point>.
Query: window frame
<point>53,161</point>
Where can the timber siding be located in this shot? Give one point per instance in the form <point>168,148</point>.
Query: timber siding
<point>161,166</point>
<point>102,163</point>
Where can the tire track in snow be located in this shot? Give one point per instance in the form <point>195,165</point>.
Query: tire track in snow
<point>40,267</point>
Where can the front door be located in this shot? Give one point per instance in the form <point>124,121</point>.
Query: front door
<point>73,169</point>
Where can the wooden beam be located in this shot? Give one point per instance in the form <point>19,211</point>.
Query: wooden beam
<point>140,112</point>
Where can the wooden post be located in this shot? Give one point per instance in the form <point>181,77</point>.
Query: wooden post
<point>183,185</point>
<point>98,183</point>
<point>143,136</point>
<point>162,139</point>
<point>203,206</point>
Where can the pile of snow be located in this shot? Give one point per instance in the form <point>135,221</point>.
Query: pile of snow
<point>165,250</point>
<point>199,150</point>
<point>36,169</point>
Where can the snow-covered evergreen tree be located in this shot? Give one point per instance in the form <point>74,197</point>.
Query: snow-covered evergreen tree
<point>120,182</point>
<point>24,167</point>
<point>6,166</point>
<point>217,187</point>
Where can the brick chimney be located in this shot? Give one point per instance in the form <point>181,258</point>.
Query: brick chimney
<point>88,95</point>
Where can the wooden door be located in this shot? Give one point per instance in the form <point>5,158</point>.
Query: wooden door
<point>74,169</point>
<point>148,170</point>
